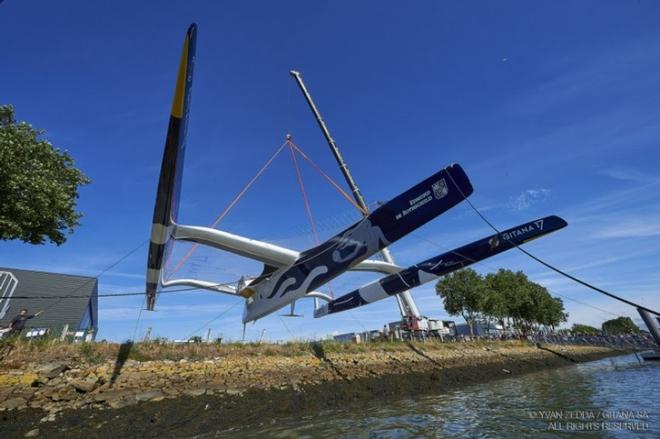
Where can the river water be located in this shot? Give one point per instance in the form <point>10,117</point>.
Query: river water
<point>615,397</point>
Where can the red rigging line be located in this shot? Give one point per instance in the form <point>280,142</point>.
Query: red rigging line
<point>227,209</point>
<point>328,178</point>
<point>308,208</point>
<point>293,148</point>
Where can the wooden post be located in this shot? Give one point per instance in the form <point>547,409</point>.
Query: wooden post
<point>65,332</point>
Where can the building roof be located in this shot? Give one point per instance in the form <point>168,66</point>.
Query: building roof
<point>44,291</point>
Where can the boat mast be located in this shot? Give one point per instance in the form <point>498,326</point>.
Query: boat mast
<point>407,306</point>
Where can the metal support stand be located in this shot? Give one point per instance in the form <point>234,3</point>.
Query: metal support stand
<point>652,322</point>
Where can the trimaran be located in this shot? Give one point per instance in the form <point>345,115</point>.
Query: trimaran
<point>289,275</point>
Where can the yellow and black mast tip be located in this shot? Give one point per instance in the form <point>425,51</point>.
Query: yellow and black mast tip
<point>169,185</point>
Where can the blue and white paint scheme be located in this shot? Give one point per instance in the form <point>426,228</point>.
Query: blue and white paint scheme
<point>385,225</point>
<point>289,275</point>
<point>432,269</point>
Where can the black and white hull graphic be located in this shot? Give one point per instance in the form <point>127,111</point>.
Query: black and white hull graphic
<point>385,225</point>
<point>443,264</point>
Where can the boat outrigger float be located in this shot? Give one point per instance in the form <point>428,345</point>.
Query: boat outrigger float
<point>289,275</point>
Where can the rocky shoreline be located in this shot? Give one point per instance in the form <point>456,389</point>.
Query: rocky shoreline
<point>76,398</point>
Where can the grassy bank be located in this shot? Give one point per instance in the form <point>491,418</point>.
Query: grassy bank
<point>19,352</point>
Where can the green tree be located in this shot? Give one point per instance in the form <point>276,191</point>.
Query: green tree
<point>462,293</point>
<point>547,310</point>
<point>527,304</point>
<point>38,185</point>
<point>493,305</point>
<point>584,329</point>
<point>512,288</point>
<point>554,312</point>
<point>620,325</point>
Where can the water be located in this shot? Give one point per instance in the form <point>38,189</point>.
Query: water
<point>616,393</point>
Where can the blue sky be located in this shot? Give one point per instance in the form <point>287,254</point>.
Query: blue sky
<point>551,108</point>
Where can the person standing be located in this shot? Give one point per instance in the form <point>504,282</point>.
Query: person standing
<point>18,323</point>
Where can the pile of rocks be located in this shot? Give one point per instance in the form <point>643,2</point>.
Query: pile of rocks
<point>59,386</point>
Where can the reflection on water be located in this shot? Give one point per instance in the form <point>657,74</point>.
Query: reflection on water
<point>554,403</point>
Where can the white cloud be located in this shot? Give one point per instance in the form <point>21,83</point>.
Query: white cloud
<point>627,174</point>
<point>633,227</point>
<point>529,197</point>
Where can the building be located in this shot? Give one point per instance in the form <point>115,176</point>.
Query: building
<point>66,301</point>
<point>481,329</point>
<point>349,337</point>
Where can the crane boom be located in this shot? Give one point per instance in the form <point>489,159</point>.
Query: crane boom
<point>406,304</point>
